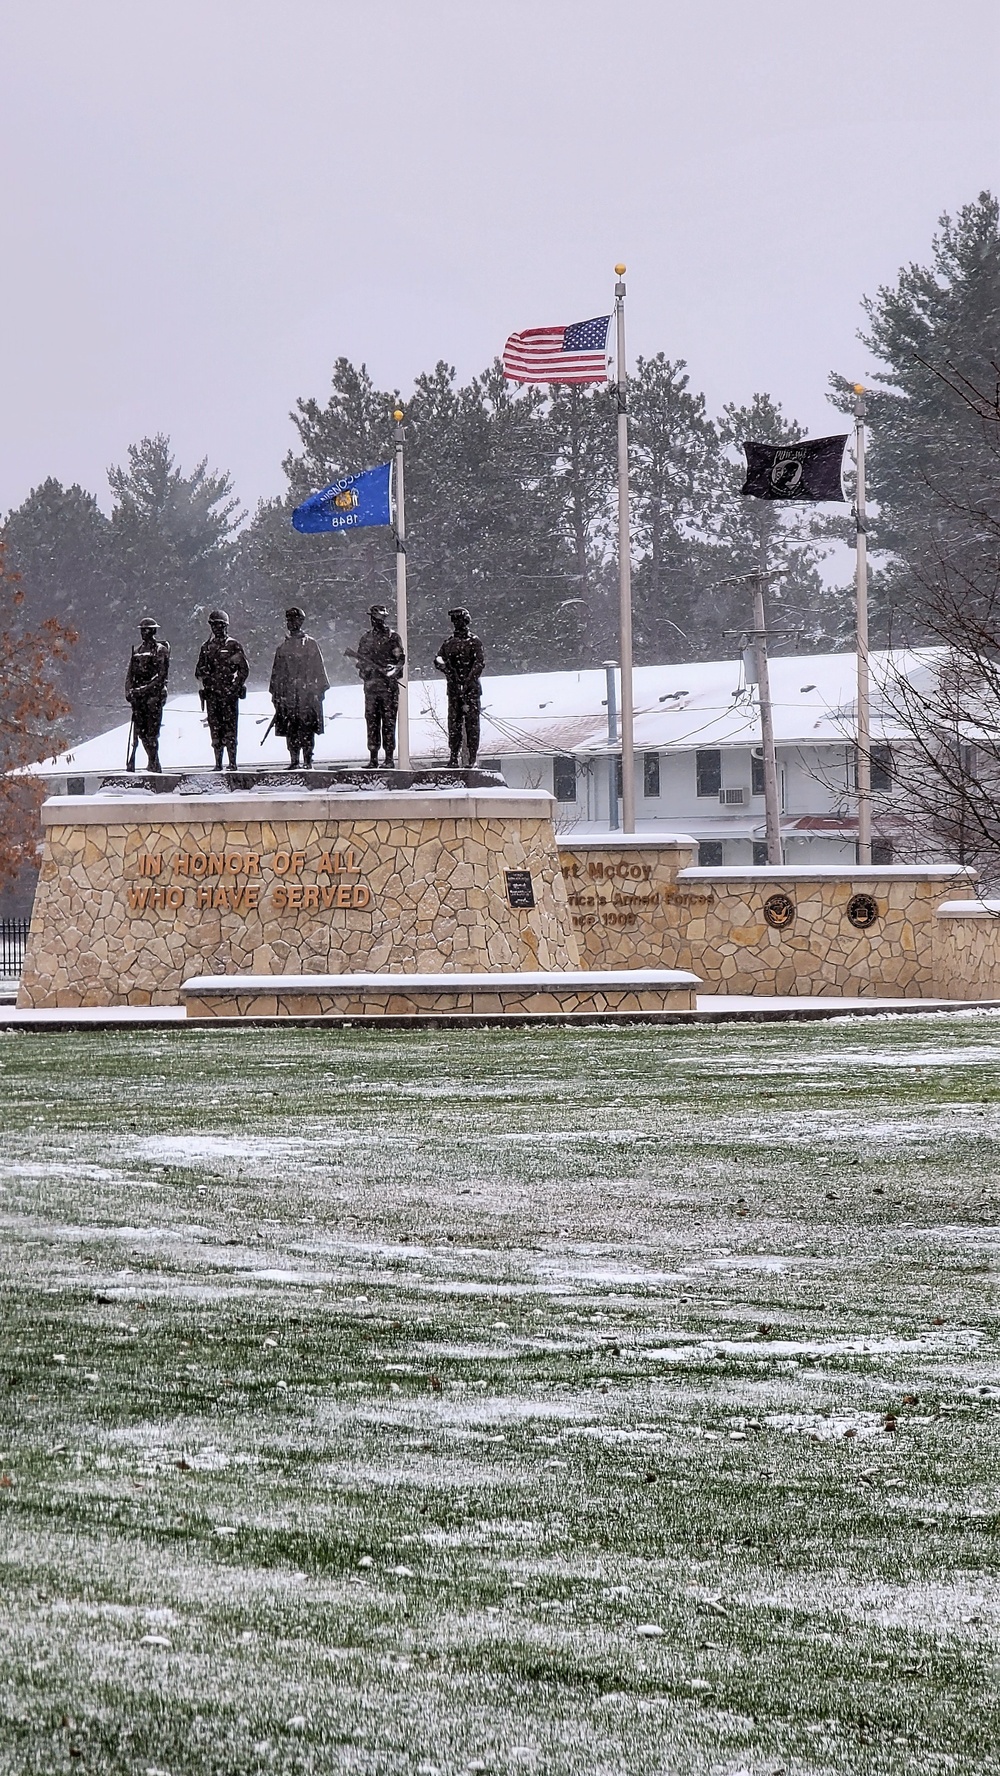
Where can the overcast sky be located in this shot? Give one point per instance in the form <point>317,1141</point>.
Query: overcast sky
<point>206,201</point>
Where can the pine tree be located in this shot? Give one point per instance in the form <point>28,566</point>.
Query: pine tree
<point>932,468</point>
<point>675,470</point>
<point>172,546</point>
<point>59,542</point>
<point>582,424</point>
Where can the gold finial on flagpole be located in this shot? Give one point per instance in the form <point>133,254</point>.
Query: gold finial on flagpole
<point>397,414</point>
<point>620,270</point>
<point>858,387</point>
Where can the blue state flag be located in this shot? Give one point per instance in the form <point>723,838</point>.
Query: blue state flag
<point>348,504</point>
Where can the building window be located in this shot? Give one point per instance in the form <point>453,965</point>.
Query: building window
<point>881,767</point>
<point>650,775</point>
<point>489,765</point>
<point>882,851</point>
<point>710,853</point>
<point>756,775</point>
<point>619,780</point>
<point>564,779</point>
<point>708,772</point>
<point>759,852</point>
<point>76,786</point>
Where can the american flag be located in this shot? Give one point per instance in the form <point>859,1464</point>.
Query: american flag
<point>577,353</point>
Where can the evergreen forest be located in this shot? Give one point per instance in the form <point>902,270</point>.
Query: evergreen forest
<point>511,508</point>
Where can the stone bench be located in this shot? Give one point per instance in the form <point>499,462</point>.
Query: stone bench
<point>577,993</point>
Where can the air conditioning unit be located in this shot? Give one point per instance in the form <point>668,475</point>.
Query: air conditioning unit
<point>732,798</point>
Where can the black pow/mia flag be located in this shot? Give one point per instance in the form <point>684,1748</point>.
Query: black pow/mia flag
<point>806,471</point>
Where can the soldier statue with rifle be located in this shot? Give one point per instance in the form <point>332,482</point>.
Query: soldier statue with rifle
<point>461,659</point>
<point>222,672</point>
<point>380,659</point>
<point>298,681</point>
<point>146,692</point>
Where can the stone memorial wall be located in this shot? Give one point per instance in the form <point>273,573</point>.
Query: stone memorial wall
<point>639,903</point>
<point>138,892</point>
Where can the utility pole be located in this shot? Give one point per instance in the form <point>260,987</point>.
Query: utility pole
<point>757,639</point>
<point>609,668</point>
<point>864,746</point>
<point>403,723</point>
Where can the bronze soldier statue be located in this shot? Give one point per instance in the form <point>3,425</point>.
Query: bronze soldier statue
<point>461,659</point>
<point>146,691</point>
<point>298,680</point>
<point>381,659</point>
<point>222,672</point>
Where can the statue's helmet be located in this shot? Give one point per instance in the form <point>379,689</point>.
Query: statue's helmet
<point>460,611</point>
<point>377,610</point>
<point>219,617</point>
<point>147,625</point>
<point>295,610</point>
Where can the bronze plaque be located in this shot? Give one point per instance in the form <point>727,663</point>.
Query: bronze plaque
<point>779,911</point>
<point>862,911</point>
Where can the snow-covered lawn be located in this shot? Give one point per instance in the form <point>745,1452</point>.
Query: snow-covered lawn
<point>610,1401</point>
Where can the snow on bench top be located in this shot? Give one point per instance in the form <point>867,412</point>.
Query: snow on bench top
<point>570,980</point>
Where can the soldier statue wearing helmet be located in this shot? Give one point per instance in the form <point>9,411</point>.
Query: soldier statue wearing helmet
<point>146,692</point>
<point>461,659</point>
<point>222,673</point>
<point>381,659</point>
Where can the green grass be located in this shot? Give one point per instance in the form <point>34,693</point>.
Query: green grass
<point>364,1396</point>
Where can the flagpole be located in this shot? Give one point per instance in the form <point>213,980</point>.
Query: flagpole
<point>864,771</point>
<point>624,570</point>
<point>403,720</point>
<point>772,799</point>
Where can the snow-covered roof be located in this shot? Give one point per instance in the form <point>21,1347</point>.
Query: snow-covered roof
<point>677,707</point>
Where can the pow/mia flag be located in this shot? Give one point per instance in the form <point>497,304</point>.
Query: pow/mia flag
<point>807,471</point>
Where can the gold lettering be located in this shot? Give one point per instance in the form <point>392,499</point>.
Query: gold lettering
<point>328,897</point>
<point>282,863</point>
<point>219,898</point>
<point>216,863</point>
<point>137,898</point>
<point>344,895</point>
<point>280,900</point>
<point>149,865</point>
<point>234,863</point>
<point>252,895</point>
<point>310,898</point>
<point>361,894</point>
<point>199,864</point>
<point>175,896</point>
<point>204,895</point>
<point>253,863</point>
<point>295,894</point>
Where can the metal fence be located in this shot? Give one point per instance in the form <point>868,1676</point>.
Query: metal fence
<point>13,940</point>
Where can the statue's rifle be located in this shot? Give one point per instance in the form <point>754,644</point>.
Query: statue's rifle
<point>390,673</point>
<point>270,725</point>
<point>133,737</point>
